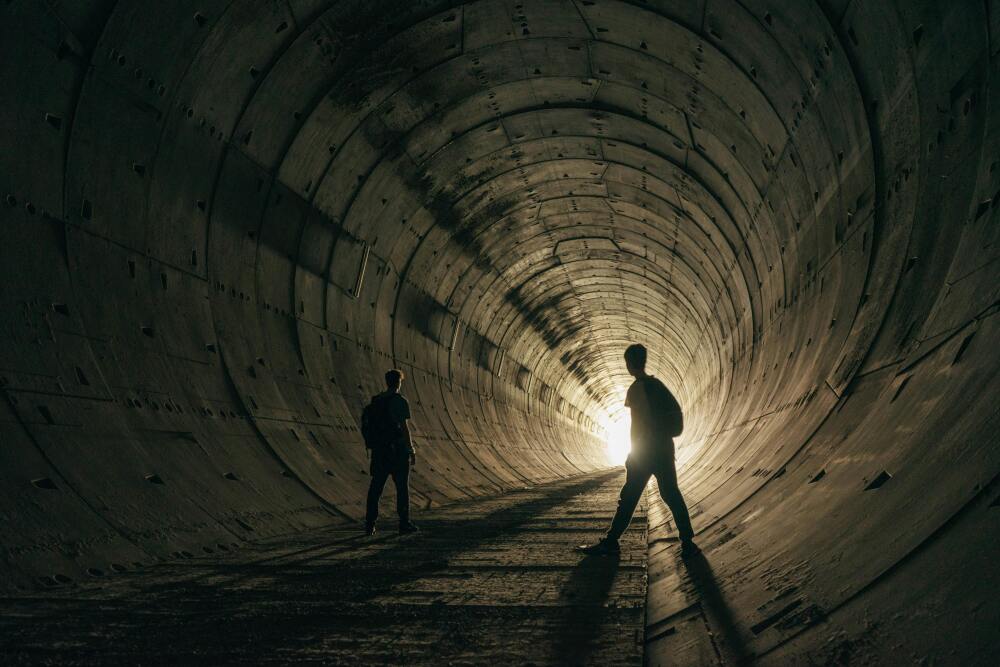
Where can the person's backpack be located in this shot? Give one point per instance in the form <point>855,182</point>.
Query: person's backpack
<point>669,410</point>
<point>377,427</point>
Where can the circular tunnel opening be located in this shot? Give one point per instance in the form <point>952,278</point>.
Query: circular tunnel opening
<point>617,436</point>
<point>248,213</point>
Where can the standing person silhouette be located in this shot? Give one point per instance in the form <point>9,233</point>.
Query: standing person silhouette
<point>656,419</point>
<point>387,435</point>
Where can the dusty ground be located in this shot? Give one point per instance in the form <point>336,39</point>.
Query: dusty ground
<point>490,581</point>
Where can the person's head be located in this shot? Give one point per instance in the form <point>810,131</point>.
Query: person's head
<point>635,359</point>
<point>393,379</point>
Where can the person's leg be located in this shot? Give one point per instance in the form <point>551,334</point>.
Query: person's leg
<point>666,479</point>
<point>401,478</point>
<point>380,474</point>
<point>636,478</point>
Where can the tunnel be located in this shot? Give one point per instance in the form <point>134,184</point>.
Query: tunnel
<point>224,220</point>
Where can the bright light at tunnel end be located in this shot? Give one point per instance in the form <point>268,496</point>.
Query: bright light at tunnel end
<point>617,438</point>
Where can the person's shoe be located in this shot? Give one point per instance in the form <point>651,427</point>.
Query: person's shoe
<point>408,527</point>
<point>369,529</point>
<point>689,548</point>
<point>605,547</point>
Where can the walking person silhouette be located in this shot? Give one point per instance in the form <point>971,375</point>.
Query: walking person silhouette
<point>387,436</point>
<point>656,420</point>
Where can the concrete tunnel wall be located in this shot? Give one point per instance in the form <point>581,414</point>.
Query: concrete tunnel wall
<point>224,220</point>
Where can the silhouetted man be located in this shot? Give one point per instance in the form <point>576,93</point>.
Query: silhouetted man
<point>656,419</point>
<point>387,436</point>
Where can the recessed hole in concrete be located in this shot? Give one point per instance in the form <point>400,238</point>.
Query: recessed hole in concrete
<point>899,389</point>
<point>61,308</point>
<point>45,483</point>
<point>62,579</point>
<point>774,618</point>
<point>982,208</point>
<point>46,414</point>
<point>95,572</point>
<point>962,348</point>
<point>230,476</point>
<point>154,479</point>
<point>118,567</point>
<point>148,331</point>
<point>879,480</point>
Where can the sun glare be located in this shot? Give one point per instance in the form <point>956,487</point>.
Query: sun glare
<point>618,439</point>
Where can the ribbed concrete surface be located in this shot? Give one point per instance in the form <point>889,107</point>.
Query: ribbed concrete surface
<point>222,220</point>
<point>489,581</point>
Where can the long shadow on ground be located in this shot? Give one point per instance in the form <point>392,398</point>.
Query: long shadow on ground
<point>732,646</point>
<point>588,586</point>
<point>297,606</point>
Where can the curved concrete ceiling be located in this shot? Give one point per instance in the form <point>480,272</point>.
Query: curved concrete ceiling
<point>225,219</point>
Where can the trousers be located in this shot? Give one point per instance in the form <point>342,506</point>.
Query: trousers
<point>384,466</point>
<point>637,474</point>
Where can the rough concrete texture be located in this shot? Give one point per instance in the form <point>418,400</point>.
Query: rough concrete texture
<point>489,581</point>
<point>222,220</point>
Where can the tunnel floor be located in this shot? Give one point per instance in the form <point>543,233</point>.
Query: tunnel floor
<point>492,579</point>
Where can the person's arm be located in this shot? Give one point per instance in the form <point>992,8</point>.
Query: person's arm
<point>409,442</point>
<point>402,416</point>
